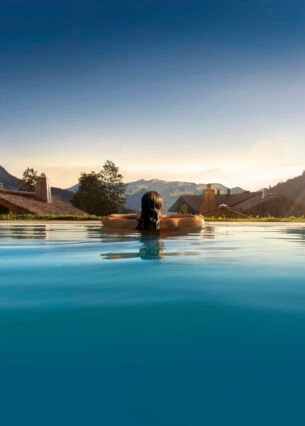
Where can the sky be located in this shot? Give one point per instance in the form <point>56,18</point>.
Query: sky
<point>192,90</point>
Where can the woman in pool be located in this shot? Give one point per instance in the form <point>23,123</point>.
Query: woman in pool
<point>151,218</point>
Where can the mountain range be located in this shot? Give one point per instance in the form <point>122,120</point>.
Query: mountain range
<point>293,189</point>
<point>170,191</point>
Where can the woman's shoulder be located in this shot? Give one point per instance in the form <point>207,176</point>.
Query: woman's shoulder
<point>180,222</point>
<point>174,222</point>
<point>121,221</point>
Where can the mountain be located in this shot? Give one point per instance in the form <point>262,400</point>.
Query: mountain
<point>62,194</point>
<point>294,189</point>
<point>8,181</point>
<point>237,190</point>
<point>170,191</point>
<point>73,188</point>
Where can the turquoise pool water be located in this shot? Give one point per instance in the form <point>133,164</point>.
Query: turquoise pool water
<point>203,329</point>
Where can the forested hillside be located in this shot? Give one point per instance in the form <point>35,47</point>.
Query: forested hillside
<point>294,188</point>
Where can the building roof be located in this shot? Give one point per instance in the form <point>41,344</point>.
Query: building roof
<point>231,205</point>
<point>254,201</point>
<point>230,200</point>
<point>233,200</point>
<point>24,202</point>
<point>227,212</point>
<point>193,201</point>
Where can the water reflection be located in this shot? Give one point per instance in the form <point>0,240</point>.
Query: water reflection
<point>151,247</point>
<point>130,245</point>
<point>297,234</point>
<point>19,232</point>
<point>67,231</point>
<point>208,232</point>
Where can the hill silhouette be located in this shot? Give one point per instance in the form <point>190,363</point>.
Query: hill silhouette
<point>293,189</point>
<point>9,181</point>
<point>62,194</point>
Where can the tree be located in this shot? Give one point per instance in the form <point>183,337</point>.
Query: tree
<point>89,196</point>
<point>114,187</point>
<point>28,181</point>
<point>101,193</point>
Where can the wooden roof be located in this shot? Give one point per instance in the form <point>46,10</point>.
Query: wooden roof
<point>254,201</point>
<point>249,203</point>
<point>232,200</point>
<point>192,201</point>
<point>226,212</point>
<point>19,202</point>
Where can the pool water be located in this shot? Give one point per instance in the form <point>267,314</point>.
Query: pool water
<point>123,329</point>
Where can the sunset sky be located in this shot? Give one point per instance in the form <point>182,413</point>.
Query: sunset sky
<point>192,90</point>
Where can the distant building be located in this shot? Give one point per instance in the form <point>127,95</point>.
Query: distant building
<point>39,202</point>
<point>247,204</point>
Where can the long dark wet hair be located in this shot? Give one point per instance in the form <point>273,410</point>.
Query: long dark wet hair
<point>151,208</point>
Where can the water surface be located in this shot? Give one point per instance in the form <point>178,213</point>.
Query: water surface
<point>205,328</point>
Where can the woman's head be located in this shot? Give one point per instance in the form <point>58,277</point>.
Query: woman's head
<point>151,208</point>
